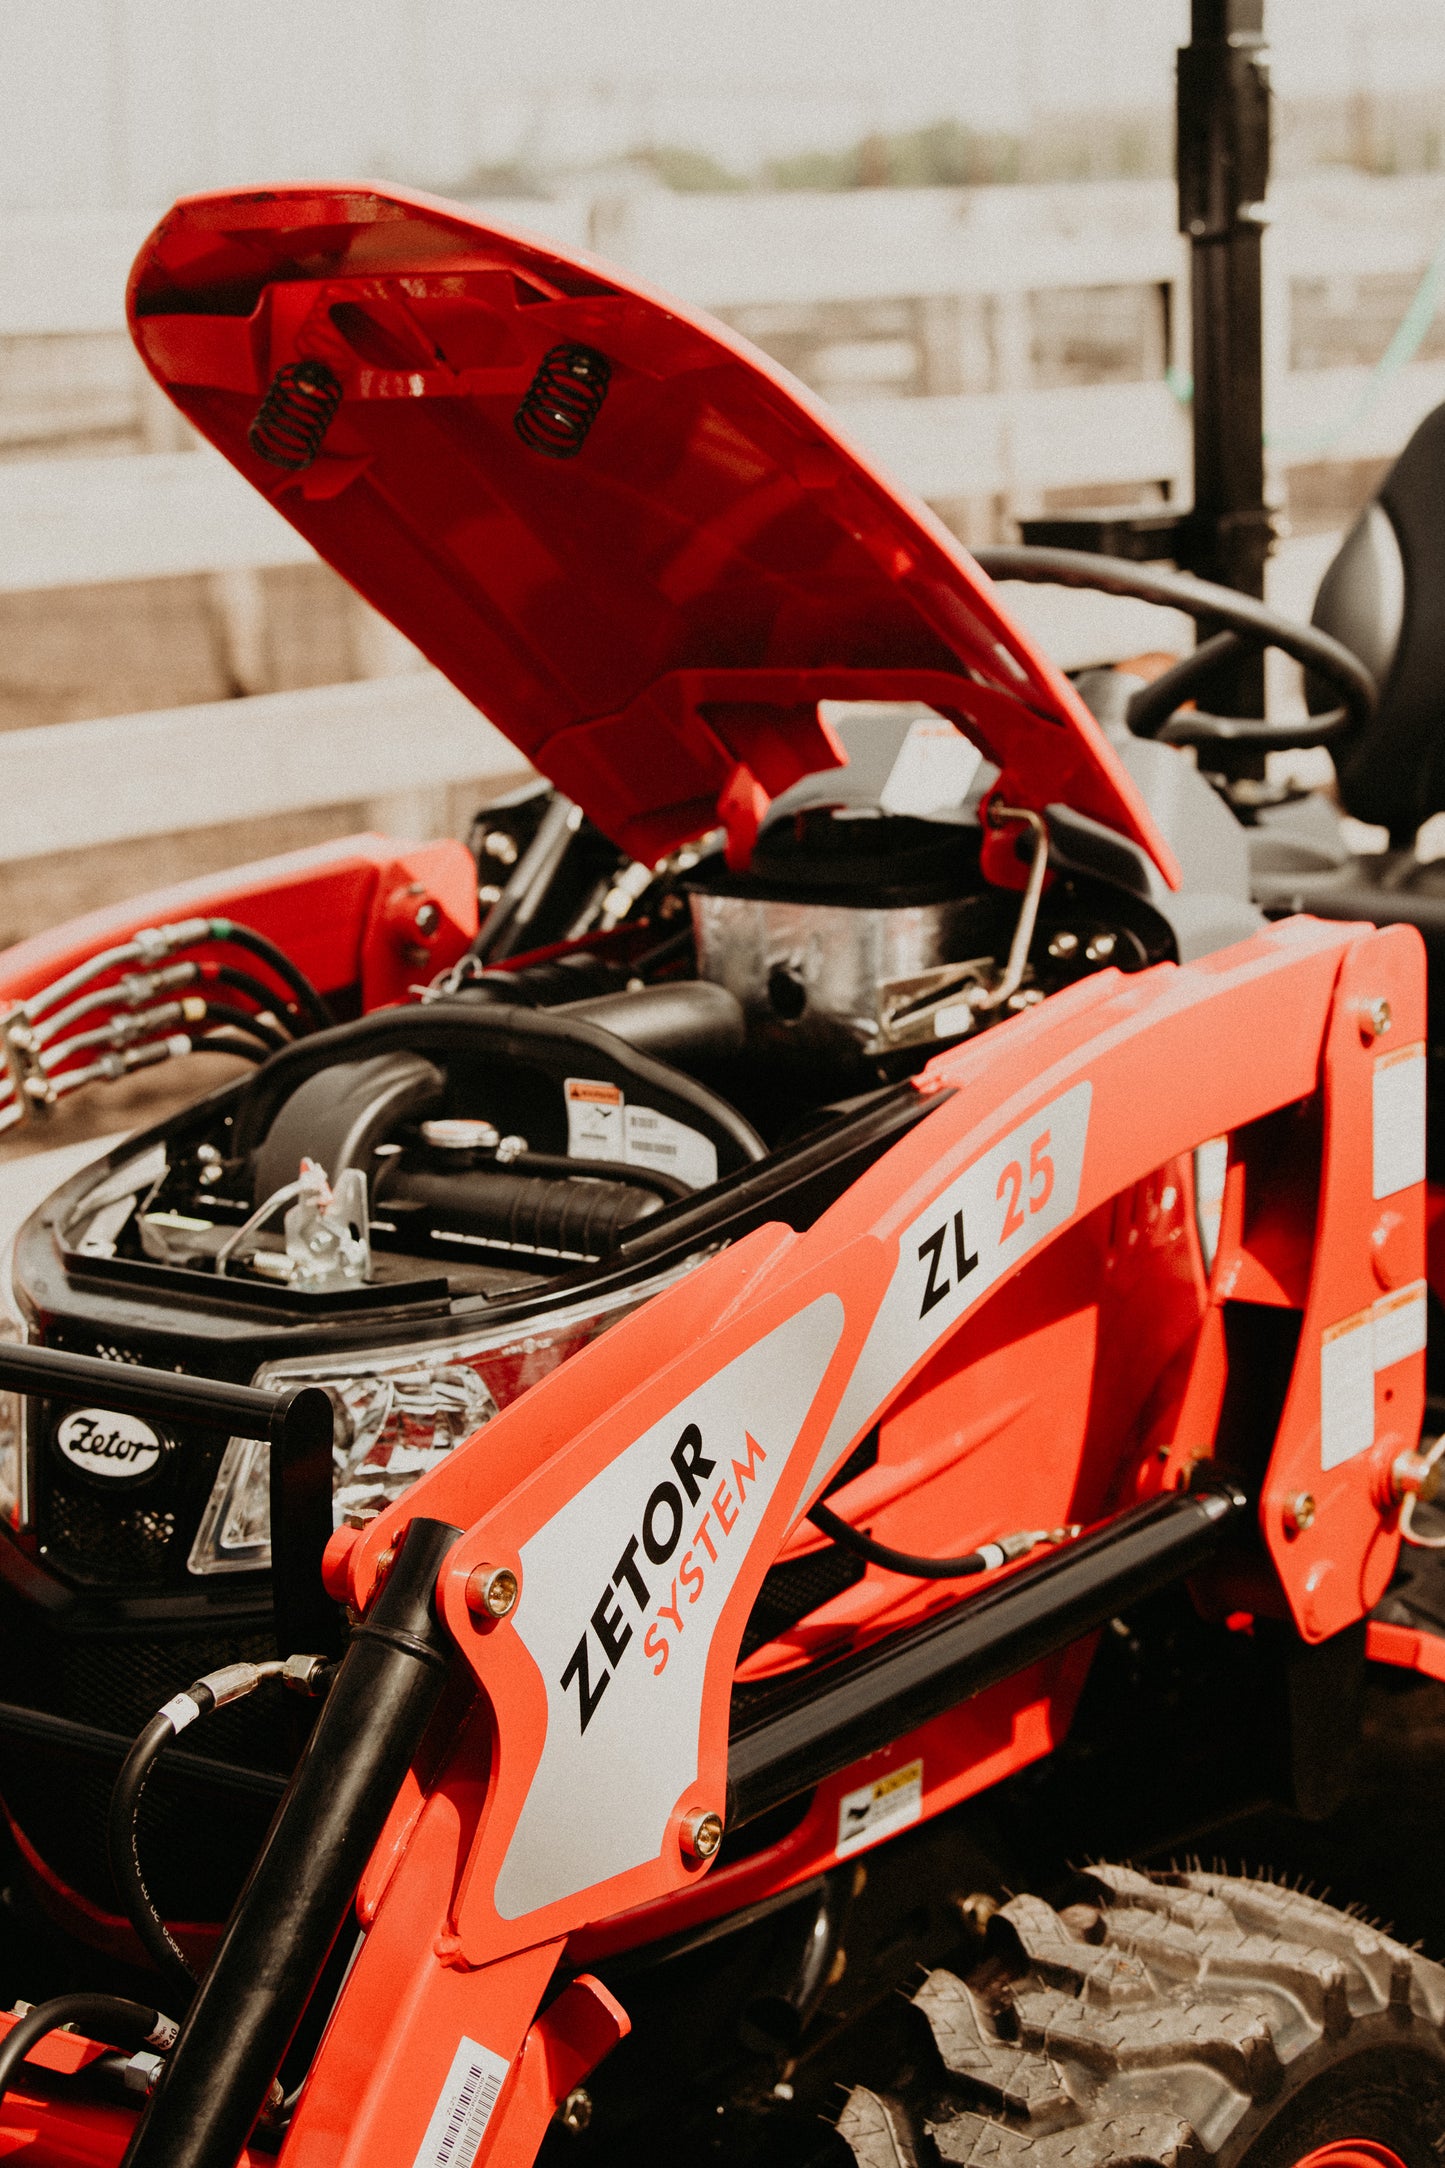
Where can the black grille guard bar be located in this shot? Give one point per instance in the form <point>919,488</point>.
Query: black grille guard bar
<point>298,1426</point>
<point>840,1711</point>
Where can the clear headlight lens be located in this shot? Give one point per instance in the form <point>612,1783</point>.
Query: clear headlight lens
<point>400,1411</point>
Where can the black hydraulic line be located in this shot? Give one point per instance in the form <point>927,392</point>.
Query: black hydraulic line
<point>301,1888</point>
<point>227,1014</point>
<point>229,1041</point>
<point>830,1715</point>
<point>122,1848</point>
<point>110,2018</point>
<point>246,937</point>
<point>264,996</point>
<point>853,1539</point>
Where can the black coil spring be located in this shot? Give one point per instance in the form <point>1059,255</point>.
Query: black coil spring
<point>295,415</point>
<point>563,400</point>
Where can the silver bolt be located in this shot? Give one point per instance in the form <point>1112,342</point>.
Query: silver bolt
<point>488,894</point>
<point>492,1591</point>
<point>499,845</point>
<point>1299,1513</point>
<point>509,1149</point>
<point>1101,948</point>
<point>575,2112</point>
<point>702,1833</point>
<point>427,919</point>
<point>1375,1018</point>
<point>1064,944</point>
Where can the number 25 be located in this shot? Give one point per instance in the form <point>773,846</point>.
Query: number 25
<point>1041,1186</point>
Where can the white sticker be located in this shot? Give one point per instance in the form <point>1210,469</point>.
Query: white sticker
<point>623,1590</point>
<point>596,1120</point>
<point>656,1140</point>
<point>601,1125</point>
<point>1399,1119</point>
<point>1390,1331</point>
<point>977,1230</point>
<point>878,1810</point>
<point>1400,1323</point>
<point>464,2108</point>
<point>1347,1389</point>
<point>933,770</point>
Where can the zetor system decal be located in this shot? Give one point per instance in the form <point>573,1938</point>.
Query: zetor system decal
<point>625,1586</point>
<point>622,1593</point>
<point>974,1232</point>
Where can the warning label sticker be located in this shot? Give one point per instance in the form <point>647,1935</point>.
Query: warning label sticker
<point>601,1125</point>
<point>879,1809</point>
<point>1350,1354</point>
<point>1399,1119</point>
<point>464,2108</point>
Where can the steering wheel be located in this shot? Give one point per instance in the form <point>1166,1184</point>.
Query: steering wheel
<point>1249,628</point>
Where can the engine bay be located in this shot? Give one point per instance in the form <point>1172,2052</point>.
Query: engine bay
<point>618,1040</point>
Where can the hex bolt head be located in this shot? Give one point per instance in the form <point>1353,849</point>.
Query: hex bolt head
<point>428,918</point>
<point>1064,944</point>
<point>1299,1513</point>
<point>1375,1018</point>
<point>492,1591</point>
<point>575,2112</point>
<point>1101,948</point>
<point>701,1834</point>
<point>499,845</point>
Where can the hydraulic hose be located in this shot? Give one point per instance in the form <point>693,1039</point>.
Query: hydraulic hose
<point>983,1560</point>
<point>264,996</point>
<point>226,929</point>
<point>122,1840</point>
<point>301,1888</point>
<point>104,2017</point>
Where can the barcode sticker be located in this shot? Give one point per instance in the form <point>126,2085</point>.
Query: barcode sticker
<point>464,2109</point>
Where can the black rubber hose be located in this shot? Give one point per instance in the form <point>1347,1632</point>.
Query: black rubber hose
<point>102,2017</point>
<point>122,1844</point>
<point>230,1041</point>
<point>225,1012</point>
<point>264,996</point>
<point>881,1554</point>
<point>226,929</point>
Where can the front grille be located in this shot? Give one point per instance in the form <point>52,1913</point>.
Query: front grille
<point>100,1539</point>
<point>107,1534</point>
<point>197,1837</point>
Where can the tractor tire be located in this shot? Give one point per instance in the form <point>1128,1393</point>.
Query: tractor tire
<point>1175,2020</point>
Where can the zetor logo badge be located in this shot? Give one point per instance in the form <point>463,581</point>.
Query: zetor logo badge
<point>119,1447</point>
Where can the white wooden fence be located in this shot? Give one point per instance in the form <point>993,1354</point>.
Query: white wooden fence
<point>74,521</point>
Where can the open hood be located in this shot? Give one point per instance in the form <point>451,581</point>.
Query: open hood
<point>641,549</point>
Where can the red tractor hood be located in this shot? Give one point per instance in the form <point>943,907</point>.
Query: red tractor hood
<point>640,548</point>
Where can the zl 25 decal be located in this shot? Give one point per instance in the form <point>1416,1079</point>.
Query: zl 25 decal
<point>977,1230</point>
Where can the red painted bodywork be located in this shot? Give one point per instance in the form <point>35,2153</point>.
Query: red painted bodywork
<point>344,912</point>
<point>652,622</point>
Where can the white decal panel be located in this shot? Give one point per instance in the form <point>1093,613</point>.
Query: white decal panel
<point>621,1595</point>
<point>1351,1352</point>
<point>1398,1092</point>
<point>1002,1207</point>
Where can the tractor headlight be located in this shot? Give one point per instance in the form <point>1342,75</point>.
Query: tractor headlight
<point>400,1411</point>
